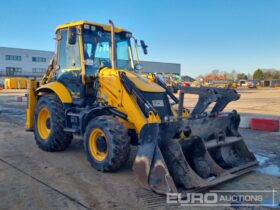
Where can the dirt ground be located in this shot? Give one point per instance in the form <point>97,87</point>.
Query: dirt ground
<point>33,179</point>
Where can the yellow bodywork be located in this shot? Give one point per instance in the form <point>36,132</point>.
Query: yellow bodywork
<point>33,92</point>
<point>82,22</point>
<point>113,92</point>
<point>144,84</point>
<point>59,89</point>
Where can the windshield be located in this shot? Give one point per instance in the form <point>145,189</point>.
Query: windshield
<point>97,47</point>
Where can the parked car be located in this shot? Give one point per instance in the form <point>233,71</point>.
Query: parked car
<point>251,85</point>
<point>185,84</point>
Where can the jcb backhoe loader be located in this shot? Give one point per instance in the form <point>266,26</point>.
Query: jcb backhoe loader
<point>91,88</point>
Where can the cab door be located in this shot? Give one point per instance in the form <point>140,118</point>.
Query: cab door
<point>69,61</point>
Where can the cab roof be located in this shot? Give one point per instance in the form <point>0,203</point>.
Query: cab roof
<point>82,22</point>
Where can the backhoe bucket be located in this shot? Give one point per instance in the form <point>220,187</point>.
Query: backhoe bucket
<point>213,153</point>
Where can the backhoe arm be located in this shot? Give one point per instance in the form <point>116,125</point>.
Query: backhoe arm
<point>49,73</point>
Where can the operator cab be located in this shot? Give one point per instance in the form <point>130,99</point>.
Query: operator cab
<point>83,48</point>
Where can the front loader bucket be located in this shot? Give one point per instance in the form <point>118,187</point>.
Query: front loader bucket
<point>214,153</point>
<point>149,165</point>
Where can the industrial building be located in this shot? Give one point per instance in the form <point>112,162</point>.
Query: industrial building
<point>159,67</point>
<point>33,63</point>
<point>23,62</point>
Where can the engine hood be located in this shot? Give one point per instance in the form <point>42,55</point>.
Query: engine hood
<point>143,84</point>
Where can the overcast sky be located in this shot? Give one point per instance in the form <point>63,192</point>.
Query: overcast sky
<point>202,35</point>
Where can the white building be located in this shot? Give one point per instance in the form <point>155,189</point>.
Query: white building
<point>23,62</point>
<point>33,63</point>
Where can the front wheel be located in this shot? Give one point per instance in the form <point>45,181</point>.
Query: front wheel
<point>106,143</point>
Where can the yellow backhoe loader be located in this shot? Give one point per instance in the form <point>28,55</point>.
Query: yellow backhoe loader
<point>91,88</point>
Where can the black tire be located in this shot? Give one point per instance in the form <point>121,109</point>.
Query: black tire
<point>58,140</point>
<point>117,141</point>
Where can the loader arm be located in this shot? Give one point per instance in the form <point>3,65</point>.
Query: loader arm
<point>118,90</point>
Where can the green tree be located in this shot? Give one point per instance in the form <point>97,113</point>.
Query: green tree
<point>258,75</point>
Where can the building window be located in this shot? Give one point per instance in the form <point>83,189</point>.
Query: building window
<point>13,58</point>
<point>39,59</point>
<point>13,70</point>
<point>38,70</point>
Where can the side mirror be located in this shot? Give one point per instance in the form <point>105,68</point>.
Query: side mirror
<point>138,67</point>
<point>144,47</point>
<point>72,35</point>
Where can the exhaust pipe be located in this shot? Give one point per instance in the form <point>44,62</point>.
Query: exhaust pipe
<point>113,48</point>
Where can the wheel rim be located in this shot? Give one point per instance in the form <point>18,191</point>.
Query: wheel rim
<point>98,144</point>
<point>44,123</point>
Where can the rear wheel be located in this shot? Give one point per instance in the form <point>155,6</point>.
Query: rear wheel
<point>49,122</point>
<point>107,143</point>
